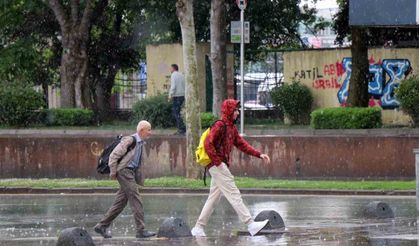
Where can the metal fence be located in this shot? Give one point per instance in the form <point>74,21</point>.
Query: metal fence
<point>126,92</point>
<point>261,75</point>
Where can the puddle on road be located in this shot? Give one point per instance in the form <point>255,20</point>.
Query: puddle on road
<point>309,220</point>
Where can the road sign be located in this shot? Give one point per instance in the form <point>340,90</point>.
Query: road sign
<point>242,4</point>
<point>235,32</point>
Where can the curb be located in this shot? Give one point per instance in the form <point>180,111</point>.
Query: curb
<point>158,190</point>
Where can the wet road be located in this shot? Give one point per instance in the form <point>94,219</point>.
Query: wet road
<point>309,220</point>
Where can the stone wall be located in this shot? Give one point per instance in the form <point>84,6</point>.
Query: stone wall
<point>326,155</point>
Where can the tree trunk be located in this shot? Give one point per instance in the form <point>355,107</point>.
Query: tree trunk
<point>184,11</point>
<point>67,85</point>
<point>104,92</point>
<point>74,28</point>
<point>358,85</point>
<point>73,70</point>
<point>218,54</point>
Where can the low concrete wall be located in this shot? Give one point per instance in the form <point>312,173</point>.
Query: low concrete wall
<point>313,154</point>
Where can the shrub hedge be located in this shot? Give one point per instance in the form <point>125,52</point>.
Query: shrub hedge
<point>207,119</point>
<point>157,110</point>
<point>68,117</point>
<point>295,100</point>
<point>346,118</point>
<point>19,105</point>
<point>408,95</point>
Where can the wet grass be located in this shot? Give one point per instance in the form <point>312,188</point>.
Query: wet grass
<point>242,182</point>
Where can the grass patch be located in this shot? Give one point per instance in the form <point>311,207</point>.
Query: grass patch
<point>242,182</point>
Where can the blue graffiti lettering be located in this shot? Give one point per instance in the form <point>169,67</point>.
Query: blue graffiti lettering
<point>397,69</point>
<point>375,86</point>
<point>343,91</point>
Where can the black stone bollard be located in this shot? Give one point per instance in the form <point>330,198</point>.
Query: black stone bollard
<point>379,210</point>
<point>174,227</point>
<point>75,236</point>
<point>275,220</point>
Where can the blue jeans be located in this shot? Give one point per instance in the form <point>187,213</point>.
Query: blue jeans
<point>177,107</point>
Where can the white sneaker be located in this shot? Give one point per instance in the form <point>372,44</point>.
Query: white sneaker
<point>198,232</point>
<point>256,227</point>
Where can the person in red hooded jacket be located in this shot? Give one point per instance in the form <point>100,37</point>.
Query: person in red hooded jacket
<point>218,145</point>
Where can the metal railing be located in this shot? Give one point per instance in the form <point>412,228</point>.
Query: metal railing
<point>126,92</point>
<point>260,77</point>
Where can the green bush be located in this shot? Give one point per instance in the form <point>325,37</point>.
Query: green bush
<point>346,118</point>
<point>295,100</point>
<point>69,117</point>
<point>408,95</point>
<point>207,119</point>
<point>19,105</point>
<point>157,110</point>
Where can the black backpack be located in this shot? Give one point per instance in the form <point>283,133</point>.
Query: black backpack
<point>103,160</point>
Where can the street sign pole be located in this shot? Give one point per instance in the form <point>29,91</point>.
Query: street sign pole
<point>242,6</point>
<point>241,71</point>
<point>416,151</point>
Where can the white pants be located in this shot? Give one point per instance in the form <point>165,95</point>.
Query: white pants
<point>222,183</point>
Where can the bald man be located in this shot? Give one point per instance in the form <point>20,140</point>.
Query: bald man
<point>126,171</point>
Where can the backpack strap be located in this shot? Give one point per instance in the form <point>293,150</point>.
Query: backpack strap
<point>132,145</point>
<point>206,168</point>
<point>224,134</point>
<point>225,129</point>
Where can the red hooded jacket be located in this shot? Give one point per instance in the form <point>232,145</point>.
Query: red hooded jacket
<point>220,140</point>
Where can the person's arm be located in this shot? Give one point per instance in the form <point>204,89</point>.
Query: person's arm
<point>172,86</point>
<point>244,146</point>
<point>119,151</point>
<point>216,132</point>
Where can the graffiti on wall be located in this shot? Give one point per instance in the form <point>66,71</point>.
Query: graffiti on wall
<point>385,77</point>
<point>325,78</point>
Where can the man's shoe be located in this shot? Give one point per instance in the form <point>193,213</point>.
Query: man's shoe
<point>256,227</point>
<point>102,231</point>
<point>198,232</point>
<point>144,234</point>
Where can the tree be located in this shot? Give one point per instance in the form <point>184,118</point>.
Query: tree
<point>75,33</point>
<point>274,24</point>
<point>358,84</point>
<point>114,46</point>
<point>362,38</point>
<point>184,11</point>
<point>27,44</point>
<point>218,54</point>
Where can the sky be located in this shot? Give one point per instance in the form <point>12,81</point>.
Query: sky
<point>321,4</point>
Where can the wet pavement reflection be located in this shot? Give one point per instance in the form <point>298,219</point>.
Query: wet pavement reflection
<point>309,220</point>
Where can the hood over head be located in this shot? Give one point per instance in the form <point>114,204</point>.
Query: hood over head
<point>227,110</point>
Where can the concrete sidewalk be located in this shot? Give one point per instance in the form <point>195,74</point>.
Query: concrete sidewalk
<point>252,191</point>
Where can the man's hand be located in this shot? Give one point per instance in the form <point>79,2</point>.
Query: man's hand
<point>265,158</point>
<point>112,176</point>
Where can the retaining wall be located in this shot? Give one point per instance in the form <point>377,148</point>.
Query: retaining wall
<point>310,154</point>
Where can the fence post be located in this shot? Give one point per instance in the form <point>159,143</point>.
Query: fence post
<point>416,151</point>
